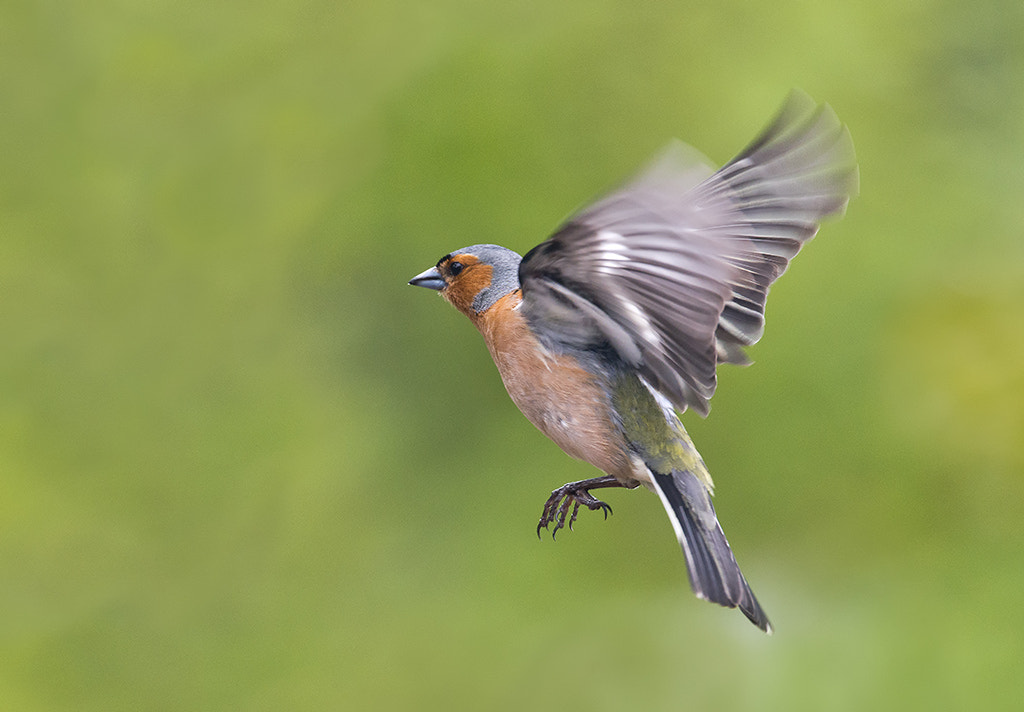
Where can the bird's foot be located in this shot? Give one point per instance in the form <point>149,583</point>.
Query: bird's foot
<point>574,494</point>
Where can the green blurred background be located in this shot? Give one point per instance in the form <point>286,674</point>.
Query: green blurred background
<point>244,466</point>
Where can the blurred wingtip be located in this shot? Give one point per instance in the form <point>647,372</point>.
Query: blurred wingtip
<point>808,140</point>
<point>845,160</point>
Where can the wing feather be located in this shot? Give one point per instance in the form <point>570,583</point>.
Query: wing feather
<point>672,271</point>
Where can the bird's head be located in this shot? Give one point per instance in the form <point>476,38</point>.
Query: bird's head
<point>474,278</point>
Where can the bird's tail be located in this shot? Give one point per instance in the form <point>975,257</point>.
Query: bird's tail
<point>714,573</point>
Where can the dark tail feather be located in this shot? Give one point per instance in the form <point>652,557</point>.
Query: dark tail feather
<point>714,573</point>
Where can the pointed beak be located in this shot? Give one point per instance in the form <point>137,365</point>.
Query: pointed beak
<point>431,279</point>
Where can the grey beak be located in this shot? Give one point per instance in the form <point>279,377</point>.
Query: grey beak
<point>431,279</point>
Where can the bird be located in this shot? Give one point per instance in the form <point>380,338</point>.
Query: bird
<point>607,331</point>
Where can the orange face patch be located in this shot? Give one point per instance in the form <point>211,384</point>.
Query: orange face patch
<point>464,285</point>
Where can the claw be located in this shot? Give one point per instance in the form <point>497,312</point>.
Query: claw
<point>575,495</point>
<point>575,511</point>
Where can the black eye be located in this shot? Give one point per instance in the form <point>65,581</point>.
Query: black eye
<point>455,268</point>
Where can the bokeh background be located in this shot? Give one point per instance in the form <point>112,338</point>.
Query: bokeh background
<point>244,466</point>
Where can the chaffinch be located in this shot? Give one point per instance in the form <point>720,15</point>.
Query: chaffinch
<point>606,331</point>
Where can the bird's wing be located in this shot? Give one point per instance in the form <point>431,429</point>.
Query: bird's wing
<point>672,270</point>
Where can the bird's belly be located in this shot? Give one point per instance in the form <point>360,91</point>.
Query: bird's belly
<point>569,405</point>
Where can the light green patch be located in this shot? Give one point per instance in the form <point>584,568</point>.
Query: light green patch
<point>959,380</point>
<point>657,434</point>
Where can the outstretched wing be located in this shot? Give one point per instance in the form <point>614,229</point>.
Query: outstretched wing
<point>672,270</point>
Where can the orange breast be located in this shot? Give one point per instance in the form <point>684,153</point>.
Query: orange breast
<point>564,401</point>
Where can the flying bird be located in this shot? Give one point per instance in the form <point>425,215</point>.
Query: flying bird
<point>608,330</point>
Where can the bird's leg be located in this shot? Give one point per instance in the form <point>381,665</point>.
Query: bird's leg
<point>574,494</point>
